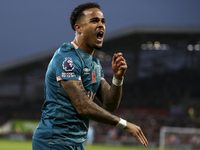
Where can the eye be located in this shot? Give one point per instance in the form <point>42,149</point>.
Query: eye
<point>95,20</point>
<point>103,21</point>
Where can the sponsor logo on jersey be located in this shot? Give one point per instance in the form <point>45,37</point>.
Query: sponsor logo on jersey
<point>68,74</point>
<point>68,64</point>
<point>86,71</point>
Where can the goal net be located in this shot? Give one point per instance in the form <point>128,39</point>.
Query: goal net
<point>179,138</point>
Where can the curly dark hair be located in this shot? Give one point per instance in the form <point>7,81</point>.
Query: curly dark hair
<point>77,13</point>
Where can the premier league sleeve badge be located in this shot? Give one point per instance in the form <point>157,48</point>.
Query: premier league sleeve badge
<point>68,64</point>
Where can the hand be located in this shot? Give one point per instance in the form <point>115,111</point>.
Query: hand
<point>136,131</point>
<point>119,65</point>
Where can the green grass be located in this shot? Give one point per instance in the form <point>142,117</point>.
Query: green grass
<point>27,145</point>
<point>15,145</point>
<point>107,147</point>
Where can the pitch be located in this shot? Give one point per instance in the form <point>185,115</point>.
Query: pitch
<point>27,145</point>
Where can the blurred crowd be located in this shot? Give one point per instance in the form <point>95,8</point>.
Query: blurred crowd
<point>149,122</point>
<point>171,99</point>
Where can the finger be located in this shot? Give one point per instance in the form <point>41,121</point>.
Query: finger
<point>120,58</point>
<point>142,138</point>
<point>119,54</point>
<point>139,139</point>
<point>121,63</point>
<point>114,58</point>
<point>123,68</point>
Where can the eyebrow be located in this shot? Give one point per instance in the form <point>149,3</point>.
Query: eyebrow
<point>96,18</point>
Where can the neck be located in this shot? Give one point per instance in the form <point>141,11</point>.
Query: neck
<point>78,43</point>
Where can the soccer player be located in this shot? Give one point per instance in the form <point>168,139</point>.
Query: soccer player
<point>73,79</point>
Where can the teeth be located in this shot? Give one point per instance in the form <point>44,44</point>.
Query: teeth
<point>100,34</point>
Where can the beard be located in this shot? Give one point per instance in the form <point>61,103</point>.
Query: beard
<point>97,47</point>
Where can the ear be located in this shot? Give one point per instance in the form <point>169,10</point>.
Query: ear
<point>78,28</point>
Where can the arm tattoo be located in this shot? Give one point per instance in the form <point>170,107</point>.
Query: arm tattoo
<point>86,106</point>
<point>109,96</point>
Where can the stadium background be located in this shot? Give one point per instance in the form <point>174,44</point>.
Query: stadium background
<point>160,40</point>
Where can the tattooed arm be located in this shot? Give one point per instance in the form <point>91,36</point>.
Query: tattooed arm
<point>84,105</point>
<point>110,96</point>
<point>88,108</point>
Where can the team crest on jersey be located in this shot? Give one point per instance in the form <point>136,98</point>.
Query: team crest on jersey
<point>68,64</point>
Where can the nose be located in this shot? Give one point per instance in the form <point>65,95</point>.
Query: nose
<point>101,24</point>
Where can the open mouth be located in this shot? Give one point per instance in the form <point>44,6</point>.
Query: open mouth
<point>100,36</point>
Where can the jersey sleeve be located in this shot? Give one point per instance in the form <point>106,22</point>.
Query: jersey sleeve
<point>68,67</point>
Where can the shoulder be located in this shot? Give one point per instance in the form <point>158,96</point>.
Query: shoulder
<point>66,55</point>
<point>66,48</point>
<point>65,51</point>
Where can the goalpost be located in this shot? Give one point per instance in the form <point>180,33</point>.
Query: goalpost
<point>179,138</point>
